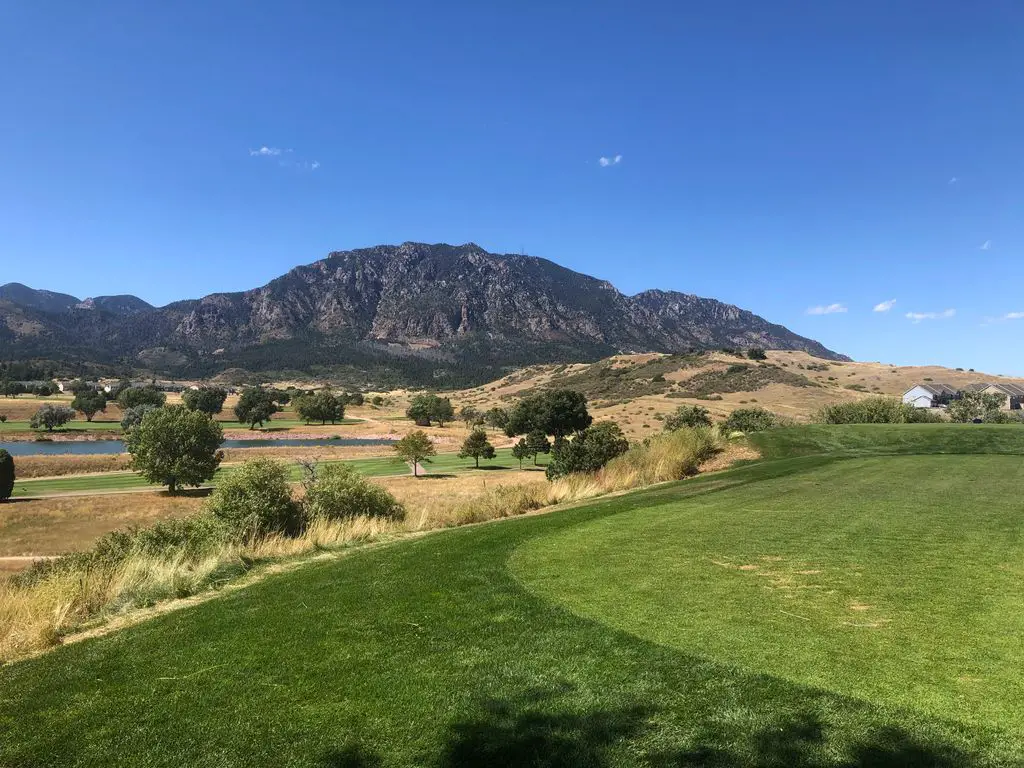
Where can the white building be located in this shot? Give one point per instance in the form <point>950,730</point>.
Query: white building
<point>927,395</point>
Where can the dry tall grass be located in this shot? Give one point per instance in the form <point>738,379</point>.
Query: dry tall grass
<point>37,614</point>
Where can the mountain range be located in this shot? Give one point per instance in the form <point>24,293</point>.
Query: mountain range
<point>412,313</point>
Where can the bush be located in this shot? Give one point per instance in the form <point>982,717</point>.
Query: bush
<point>6,475</point>
<point>339,492</point>
<point>872,410</point>
<point>997,416</point>
<point>588,451</point>
<point>756,353</point>
<point>688,416</point>
<point>749,420</point>
<point>254,500</point>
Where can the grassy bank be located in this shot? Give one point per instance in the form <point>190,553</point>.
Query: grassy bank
<point>625,632</point>
<point>54,598</point>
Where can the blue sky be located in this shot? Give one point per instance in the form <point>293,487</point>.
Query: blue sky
<point>781,156</point>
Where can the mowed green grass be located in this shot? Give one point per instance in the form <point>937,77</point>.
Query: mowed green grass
<point>629,631</point>
<point>893,579</point>
<point>384,466</point>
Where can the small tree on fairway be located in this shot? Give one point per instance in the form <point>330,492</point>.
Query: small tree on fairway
<point>521,451</point>
<point>537,442</point>
<point>255,406</point>
<point>478,446</point>
<point>6,475</point>
<point>415,447</point>
<point>175,446</point>
<point>208,400</point>
<point>89,402</point>
<point>51,416</point>
<point>133,396</point>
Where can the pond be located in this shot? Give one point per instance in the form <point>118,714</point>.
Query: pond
<point>103,447</point>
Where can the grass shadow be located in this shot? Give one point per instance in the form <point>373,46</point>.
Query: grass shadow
<point>535,730</point>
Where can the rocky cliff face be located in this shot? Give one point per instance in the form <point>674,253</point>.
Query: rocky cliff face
<point>413,299</point>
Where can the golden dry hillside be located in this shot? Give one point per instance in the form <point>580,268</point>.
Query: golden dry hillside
<point>636,390</point>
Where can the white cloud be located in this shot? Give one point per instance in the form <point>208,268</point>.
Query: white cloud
<point>266,152</point>
<point>986,246</point>
<point>1013,316</point>
<point>829,309</point>
<point>314,165</point>
<point>917,317</point>
<point>954,180</point>
<point>884,306</point>
<point>604,162</point>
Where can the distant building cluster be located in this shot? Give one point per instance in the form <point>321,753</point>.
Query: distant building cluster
<point>938,395</point>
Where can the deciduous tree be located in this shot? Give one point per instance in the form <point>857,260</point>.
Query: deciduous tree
<point>51,416</point>
<point>89,402</point>
<point>175,446</point>
<point>255,406</point>
<point>415,447</point>
<point>478,446</point>
<point>208,400</point>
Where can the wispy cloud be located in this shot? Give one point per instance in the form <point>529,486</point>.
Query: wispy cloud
<point>986,246</point>
<point>884,306</point>
<point>953,180</point>
<point>917,317</point>
<point>826,309</point>
<point>1013,316</point>
<point>604,162</point>
<point>285,158</point>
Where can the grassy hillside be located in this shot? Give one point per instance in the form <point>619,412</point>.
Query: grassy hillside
<point>638,391</point>
<point>799,612</point>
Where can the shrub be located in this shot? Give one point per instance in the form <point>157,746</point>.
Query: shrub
<point>254,500</point>
<point>6,475</point>
<point>3,418</point>
<point>872,410</point>
<point>756,353</point>
<point>749,420</point>
<point>339,492</point>
<point>688,416</point>
<point>588,451</point>
<point>997,416</point>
